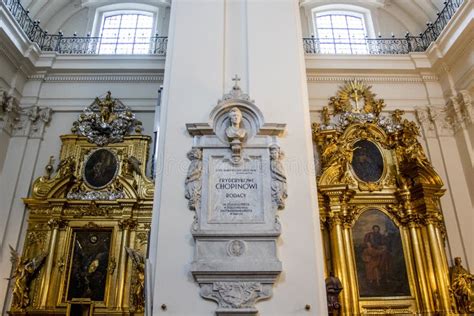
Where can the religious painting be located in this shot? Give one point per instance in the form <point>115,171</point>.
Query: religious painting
<point>380,261</point>
<point>100,168</point>
<point>367,161</point>
<point>88,269</point>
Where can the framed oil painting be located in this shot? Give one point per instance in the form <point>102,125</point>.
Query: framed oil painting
<point>380,261</point>
<point>100,168</point>
<point>367,161</point>
<point>89,263</point>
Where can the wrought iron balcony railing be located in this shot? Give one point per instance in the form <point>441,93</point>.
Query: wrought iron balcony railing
<point>155,45</point>
<point>380,46</point>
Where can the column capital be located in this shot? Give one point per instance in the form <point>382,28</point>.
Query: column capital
<point>22,121</point>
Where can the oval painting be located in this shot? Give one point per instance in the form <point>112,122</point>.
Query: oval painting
<point>380,261</point>
<point>100,168</point>
<point>367,161</point>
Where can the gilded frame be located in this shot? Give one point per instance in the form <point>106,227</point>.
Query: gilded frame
<point>116,172</point>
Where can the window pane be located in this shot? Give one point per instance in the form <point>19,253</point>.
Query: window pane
<point>124,49</point>
<point>341,33</point>
<point>145,21</point>
<point>129,21</point>
<point>357,33</point>
<point>327,48</point>
<point>143,34</point>
<point>359,49</point>
<point>126,34</point>
<point>141,48</point>
<point>107,49</point>
<point>112,21</point>
<point>354,23</point>
<point>323,21</point>
<point>339,21</point>
<point>109,33</point>
<point>325,34</point>
<point>343,49</point>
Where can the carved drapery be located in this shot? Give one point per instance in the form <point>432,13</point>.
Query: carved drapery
<point>374,163</point>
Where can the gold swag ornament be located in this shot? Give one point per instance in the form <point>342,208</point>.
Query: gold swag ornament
<point>380,213</point>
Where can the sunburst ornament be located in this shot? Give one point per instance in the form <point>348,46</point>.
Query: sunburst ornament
<point>356,97</point>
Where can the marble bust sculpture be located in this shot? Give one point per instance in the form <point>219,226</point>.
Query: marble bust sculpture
<point>234,131</point>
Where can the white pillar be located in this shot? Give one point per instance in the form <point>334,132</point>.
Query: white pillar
<point>209,42</point>
<point>25,132</point>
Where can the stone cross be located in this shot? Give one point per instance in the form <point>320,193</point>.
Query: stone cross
<point>236,79</point>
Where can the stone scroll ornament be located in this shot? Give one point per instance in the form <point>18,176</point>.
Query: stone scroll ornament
<point>236,183</point>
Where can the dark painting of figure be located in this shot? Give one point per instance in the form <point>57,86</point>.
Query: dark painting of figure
<point>100,168</point>
<point>88,271</point>
<point>380,262</point>
<point>367,161</point>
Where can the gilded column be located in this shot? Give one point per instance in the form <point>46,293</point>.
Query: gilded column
<point>426,299</point>
<point>55,224</point>
<point>337,217</point>
<point>125,225</point>
<point>340,262</point>
<point>439,266</point>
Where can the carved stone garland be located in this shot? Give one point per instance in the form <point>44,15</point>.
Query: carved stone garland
<point>236,184</point>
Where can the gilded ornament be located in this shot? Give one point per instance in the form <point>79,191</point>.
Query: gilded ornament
<point>24,272</point>
<point>462,287</point>
<point>106,121</point>
<point>138,293</point>
<point>405,190</point>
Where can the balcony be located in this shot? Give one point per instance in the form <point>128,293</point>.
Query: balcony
<point>156,45</point>
<point>384,46</point>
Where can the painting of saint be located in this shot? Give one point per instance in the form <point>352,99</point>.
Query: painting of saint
<point>380,261</point>
<point>100,168</point>
<point>88,270</point>
<point>367,161</point>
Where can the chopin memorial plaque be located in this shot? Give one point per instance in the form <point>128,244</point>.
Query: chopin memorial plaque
<point>236,184</point>
<point>236,191</point>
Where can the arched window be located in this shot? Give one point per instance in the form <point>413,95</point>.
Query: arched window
<point>340,32</point>
<point>126,33</point>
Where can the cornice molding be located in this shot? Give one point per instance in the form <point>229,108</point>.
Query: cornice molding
<point>98,77</point>
<point>372,78</point>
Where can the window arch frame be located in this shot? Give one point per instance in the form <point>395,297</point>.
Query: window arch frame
<point>342,9</point>
<point>102,12</point>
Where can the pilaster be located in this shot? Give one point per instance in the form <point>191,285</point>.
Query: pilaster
<point>21,132</point>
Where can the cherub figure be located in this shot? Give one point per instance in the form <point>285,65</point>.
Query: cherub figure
<point>24,272</point>
<point>139,291</point>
